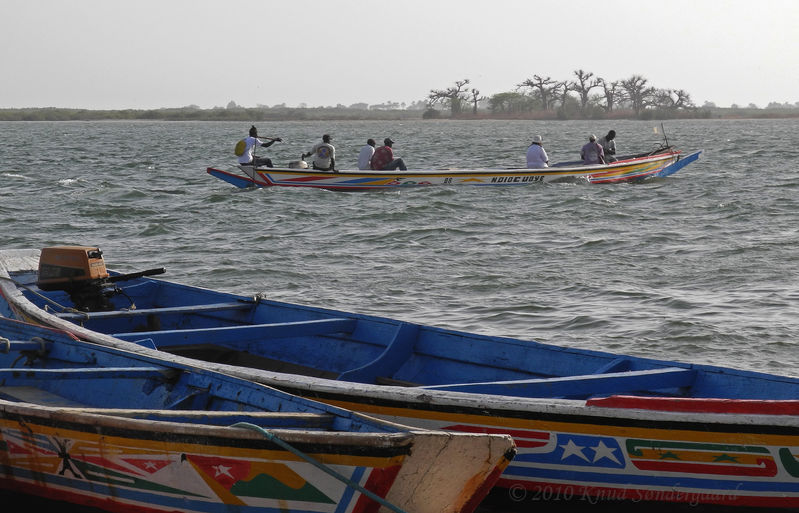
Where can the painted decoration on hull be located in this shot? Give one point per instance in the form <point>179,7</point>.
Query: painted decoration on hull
<point>601,468</point>
<point>197,481</point>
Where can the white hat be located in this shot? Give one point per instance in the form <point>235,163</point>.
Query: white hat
<point>538,139</point>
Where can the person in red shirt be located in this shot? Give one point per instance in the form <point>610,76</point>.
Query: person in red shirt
<point>383,159</point>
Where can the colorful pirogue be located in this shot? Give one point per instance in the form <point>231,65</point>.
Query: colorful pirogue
<point>100,427</point>
<point>627,169</point>
<point>587,424</point>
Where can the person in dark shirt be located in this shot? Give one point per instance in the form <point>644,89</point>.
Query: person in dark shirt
<point>591,152</point>
<point>383,159</point>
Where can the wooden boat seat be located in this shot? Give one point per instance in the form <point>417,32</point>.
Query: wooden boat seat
<point>270,419</point>
<point>29,374</point>
<point>240,335</point>
<point>116,314</point>
<point>35,395</point>
<point>588,385</point>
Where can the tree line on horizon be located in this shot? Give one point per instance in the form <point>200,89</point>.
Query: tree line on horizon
<point>586,96</point>
<point>570,99</point>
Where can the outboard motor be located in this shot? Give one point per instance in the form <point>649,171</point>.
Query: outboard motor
<point>80,271</point>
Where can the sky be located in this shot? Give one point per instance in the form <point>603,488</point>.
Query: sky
<point>149,54</point>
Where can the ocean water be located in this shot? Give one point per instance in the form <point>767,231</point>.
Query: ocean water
<point>698,267</point>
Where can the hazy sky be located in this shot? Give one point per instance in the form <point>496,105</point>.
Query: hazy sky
<point>110,54</point>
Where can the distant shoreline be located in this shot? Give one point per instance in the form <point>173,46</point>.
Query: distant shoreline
<point>347,114</point>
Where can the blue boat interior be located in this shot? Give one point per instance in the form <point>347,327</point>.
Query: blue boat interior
<point>46,367</point>
<point>289,338</point>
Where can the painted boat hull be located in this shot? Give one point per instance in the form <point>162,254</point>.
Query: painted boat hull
<point>630,169</point>
<point>587,424</point>
<point>103,428</point>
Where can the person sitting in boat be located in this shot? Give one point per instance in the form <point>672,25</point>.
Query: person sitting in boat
<point>608,144</point>
<point>536,156</point>
<point>247,157</point>
<point>324,155</point>
<point>365,156</point>
<point>383,159</point>
<point>592,152</point>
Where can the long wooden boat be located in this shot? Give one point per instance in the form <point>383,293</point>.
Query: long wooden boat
<point>588,425</point>
<point>628,169</point>
<point>101,427</point>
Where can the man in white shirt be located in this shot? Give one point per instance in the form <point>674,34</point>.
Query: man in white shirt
<point>365,156</point>
<point>324,155</point>
<point>247,157</point>
<point>608,144</point>
<point>536,156</point>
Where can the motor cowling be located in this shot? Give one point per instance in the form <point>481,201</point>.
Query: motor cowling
<point>80,271</point>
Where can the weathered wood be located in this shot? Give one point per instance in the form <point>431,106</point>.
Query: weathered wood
<point>117,314</point>
<point>582,386</point>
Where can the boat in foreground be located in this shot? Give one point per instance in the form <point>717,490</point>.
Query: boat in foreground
<point>100,427</point>
<point>588,425</point>
<point>628,169</point>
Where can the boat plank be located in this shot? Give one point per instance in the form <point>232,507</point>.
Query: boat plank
<point>87,373</point>
<point>239,335</point>
<point>35,395</point>
<point>79,316</point>
<point>581,386</point>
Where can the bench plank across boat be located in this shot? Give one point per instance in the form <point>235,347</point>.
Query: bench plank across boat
<point>587,424</point>
<point>627,169</point>
<point>98,426</point>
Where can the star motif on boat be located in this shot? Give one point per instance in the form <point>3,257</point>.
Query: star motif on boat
<point>570,448</point>
<point>603,451</point>
<point>725,457</point>
<point>222,470</point>
<point>149,465</point>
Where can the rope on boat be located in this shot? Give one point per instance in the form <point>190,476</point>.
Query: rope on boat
<point>344,479</point>
<point>61,307</point>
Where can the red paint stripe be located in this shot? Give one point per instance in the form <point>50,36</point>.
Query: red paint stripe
<point>520,433</point>
<point>379,482</point>
<point>522,438</point>
<point>699,405</point>
<point>768,468</point>
<point>487,485</point>
<point>305,179</point>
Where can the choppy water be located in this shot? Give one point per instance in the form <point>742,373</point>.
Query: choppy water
<point>699,267</point>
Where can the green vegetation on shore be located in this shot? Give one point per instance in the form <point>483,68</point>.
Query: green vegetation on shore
<point>586,96</point>
<point>346,113</point>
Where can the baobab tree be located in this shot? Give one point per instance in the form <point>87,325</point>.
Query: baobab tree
<point>639,95</point>
<point>583,85</point>
<point>453,96</point>
<point>613,93</point>
<point>475,99</point>
<point>545,87</point>
<point>561,90</point>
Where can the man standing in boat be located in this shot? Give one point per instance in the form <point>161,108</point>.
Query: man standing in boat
<point>536,156</point>
<point>324,155</point>
<point>592,152</point>
<point>608,144</point>
<point>246,147</point>
<point>383,159</point>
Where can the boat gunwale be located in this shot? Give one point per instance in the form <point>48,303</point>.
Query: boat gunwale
<point>516,406</point>
<point>552,170</point>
